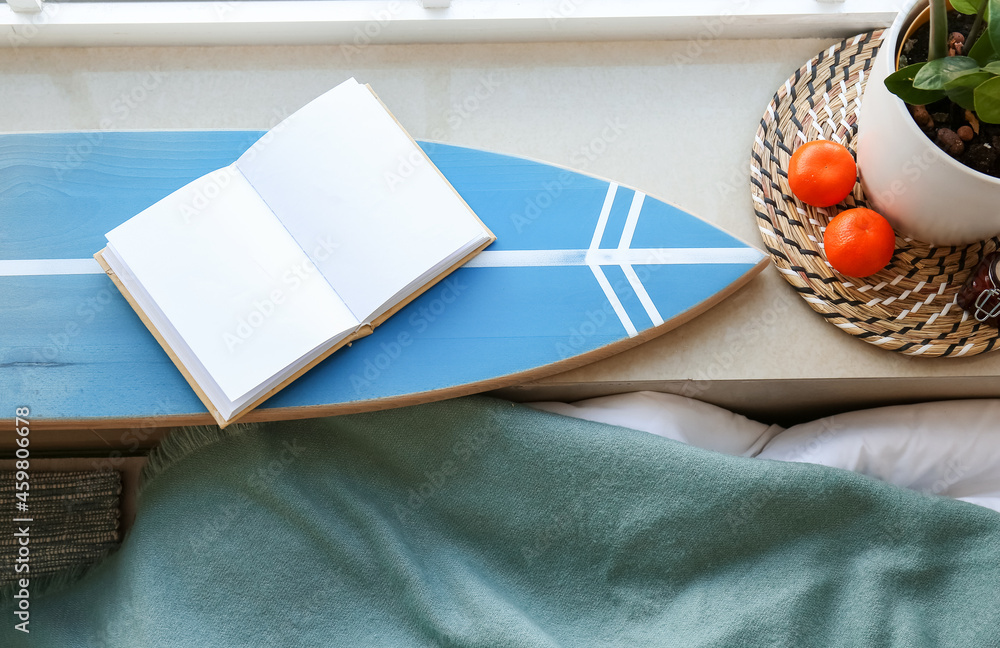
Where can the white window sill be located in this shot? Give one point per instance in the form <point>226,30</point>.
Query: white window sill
<point>361,22</point>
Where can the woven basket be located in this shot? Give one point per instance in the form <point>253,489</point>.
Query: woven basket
<point>74,520</point>
<point>907,307</point>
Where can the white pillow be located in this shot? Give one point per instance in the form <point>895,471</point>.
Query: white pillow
<point>675,417</point>
<point>948,448</point>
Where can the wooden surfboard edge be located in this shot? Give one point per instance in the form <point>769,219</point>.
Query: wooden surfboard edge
<point>537,373</point>
<point>260,415</point>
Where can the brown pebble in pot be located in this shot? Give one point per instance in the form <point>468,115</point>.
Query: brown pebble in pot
<point>922,117</point>
<point>949,140</point>
<point>965,132</point>
<point>956,43</point>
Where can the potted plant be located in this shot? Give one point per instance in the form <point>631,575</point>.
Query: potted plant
<point>917,174</point>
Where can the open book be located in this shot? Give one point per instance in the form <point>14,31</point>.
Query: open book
<point>252,274</point>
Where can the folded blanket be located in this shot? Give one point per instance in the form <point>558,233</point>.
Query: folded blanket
<point>477,522</point>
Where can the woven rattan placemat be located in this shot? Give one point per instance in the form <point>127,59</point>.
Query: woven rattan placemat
<point>909,306</point>
<point>74,520</point>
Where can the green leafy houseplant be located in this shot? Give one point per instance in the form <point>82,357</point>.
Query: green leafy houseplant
<point>929,186</point>
<point>970,80</point>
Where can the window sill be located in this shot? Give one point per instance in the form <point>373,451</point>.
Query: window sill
<point>355,23</point>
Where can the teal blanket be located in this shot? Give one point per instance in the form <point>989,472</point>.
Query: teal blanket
<point>476,522</point>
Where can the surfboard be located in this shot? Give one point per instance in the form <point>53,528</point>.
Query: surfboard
<point>582,268</point>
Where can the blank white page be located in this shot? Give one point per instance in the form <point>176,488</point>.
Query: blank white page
<point>359,196</point>
<point>231,280</point>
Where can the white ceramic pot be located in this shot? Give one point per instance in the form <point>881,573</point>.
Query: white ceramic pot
<point>924,192</point>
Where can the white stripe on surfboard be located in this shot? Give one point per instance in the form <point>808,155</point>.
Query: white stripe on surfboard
<point>602,280</point>
<point>602,220</point>
<point>634,256</point>
<point>644,299</point>
<point>616,303</point>
<point>631,220</point>
<point>486,259</point>
<point>27,267</point>
<point>624,244</point>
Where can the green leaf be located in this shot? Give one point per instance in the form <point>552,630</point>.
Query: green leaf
<point>983,50</point>
<point>900,83</point>
<point>987,100</point>
<point>937,73</point>
<point>967,7</point>
<point>993,67</point>
<point>961,89</point>
<point>993,26</point>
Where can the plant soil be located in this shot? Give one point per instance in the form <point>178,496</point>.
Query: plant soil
<point>973,143</point>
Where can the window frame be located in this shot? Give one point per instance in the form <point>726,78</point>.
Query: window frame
<point>354,23</point>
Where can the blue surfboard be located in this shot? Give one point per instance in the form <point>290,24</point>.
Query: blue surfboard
<point>582,268</point>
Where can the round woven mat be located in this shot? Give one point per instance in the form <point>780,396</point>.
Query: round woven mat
<point>909,306</point>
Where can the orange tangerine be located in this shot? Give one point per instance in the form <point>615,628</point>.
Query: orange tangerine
<point>821,173</point>
<point>859,242</point>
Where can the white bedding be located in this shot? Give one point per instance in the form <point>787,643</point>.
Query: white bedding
<point>949,448</point>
